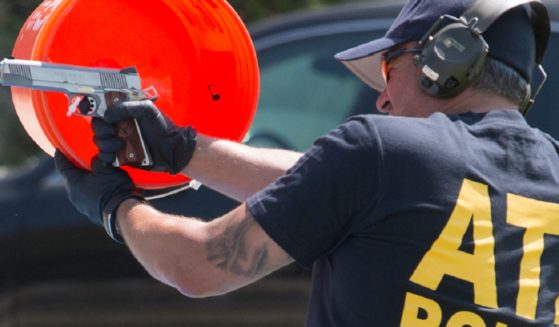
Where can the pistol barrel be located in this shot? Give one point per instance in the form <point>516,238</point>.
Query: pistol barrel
<point>66,78</point>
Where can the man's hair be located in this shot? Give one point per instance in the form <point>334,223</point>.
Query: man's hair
<point>502,80</point>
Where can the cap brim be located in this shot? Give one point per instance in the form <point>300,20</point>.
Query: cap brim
<point>365,61</point>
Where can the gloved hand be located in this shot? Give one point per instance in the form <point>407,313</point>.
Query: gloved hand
<point>97,194</point>
<point>171,147</point>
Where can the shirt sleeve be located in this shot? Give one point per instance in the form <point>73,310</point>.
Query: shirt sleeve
<point>324,198</point>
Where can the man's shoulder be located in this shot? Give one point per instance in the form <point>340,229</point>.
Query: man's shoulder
<point>440,123</point>
<point>384,121</point>
<point>405,127</point>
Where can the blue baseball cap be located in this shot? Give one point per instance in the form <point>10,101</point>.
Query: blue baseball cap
<point>511,38</point>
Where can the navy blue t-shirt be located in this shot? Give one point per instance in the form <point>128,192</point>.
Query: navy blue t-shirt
<point>439,221</point>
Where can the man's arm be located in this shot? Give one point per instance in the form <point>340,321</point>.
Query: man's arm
<point>200,258</point>
<point>235,169</point>
<point>228,167</point>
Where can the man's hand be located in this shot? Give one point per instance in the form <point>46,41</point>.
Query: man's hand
<point>171,147</point>
<point>96,194</point>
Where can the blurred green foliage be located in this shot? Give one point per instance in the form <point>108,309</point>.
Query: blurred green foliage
<point>15,145</point>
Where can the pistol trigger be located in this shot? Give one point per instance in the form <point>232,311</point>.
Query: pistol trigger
<point>74,104</point>
<point>83,105</point>
<point>87,106</point>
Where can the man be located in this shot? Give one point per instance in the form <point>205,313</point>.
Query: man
<point>444,217</point>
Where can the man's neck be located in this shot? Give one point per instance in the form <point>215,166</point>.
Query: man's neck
<point>477,101</point>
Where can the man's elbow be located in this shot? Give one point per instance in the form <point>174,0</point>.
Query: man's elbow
<point>196,293</point>
<point>197,288</point>
<point>199,281</point>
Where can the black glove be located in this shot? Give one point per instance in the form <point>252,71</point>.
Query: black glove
<point>171,147</point>
<point>97,194</point>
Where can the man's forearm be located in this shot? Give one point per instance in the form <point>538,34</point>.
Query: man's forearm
<point>199,258</point>
<point>235,169</point>
<point>157,241</point>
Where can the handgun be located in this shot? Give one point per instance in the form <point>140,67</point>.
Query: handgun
<point>101,86</point>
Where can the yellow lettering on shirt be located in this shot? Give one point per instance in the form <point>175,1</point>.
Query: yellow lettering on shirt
<point>465,318</point>
<point>420,311</point>
<point>538,218</point>
<point>446,259</point>
<point>414,305</point>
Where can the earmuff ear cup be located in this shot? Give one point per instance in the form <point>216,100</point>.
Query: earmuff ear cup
<point>450,60</point>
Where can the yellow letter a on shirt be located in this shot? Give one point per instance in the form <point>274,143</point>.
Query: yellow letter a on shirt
<point>445,258</point>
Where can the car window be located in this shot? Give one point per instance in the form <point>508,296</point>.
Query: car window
<point>305,92</point>
<point>545,112</point>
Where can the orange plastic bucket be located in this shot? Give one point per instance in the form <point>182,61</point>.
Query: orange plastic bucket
<point>197,54</point>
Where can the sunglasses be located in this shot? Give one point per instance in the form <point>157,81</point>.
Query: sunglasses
<point>389,55</point>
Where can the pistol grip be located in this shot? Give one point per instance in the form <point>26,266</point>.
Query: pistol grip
<point>134,152</point>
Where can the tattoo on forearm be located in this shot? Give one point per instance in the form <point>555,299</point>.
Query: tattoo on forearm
<point>234,253</point>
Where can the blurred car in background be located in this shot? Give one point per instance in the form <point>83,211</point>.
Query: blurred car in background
<point>57,269</point>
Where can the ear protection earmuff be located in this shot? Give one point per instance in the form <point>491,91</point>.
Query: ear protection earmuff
<point>451,57</point>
